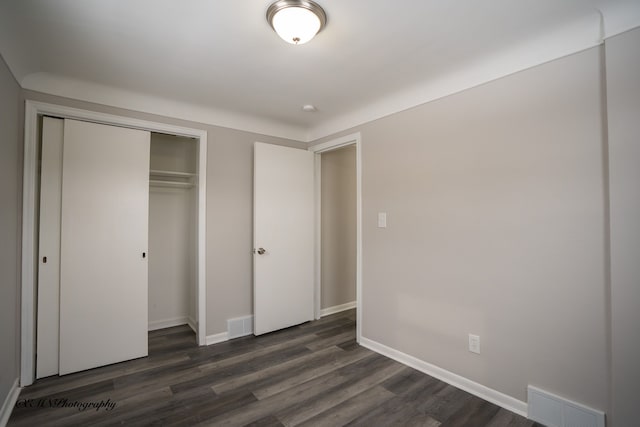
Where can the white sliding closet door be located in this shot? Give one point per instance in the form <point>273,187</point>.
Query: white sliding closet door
<point>49,248</point>
<point>104,234</point>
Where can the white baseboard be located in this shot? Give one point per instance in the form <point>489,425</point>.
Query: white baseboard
<point>217,338</point>
<point>483,392</point>
<point>337,308</point>
<point>192,324</point>
<point>168,323</point>
<point>9,403</point>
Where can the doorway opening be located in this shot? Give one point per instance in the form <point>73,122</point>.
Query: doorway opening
<point>338,229</point>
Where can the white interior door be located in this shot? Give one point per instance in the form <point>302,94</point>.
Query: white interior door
<point>104,234</point>
<point>283,237</point>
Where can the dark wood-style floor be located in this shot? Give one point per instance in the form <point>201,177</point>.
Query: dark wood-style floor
<point>313,374</point>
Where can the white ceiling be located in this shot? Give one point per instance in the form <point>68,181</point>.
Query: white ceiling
<point>219,62</point>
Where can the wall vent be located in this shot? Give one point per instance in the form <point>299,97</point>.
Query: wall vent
<point>240,326</point>
<point>555,411</point>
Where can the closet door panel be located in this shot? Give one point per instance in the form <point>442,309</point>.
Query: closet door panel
<point>104,233</point>
<point>49,248</point>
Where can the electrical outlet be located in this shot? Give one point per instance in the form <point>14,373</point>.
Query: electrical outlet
<point>474,343</point>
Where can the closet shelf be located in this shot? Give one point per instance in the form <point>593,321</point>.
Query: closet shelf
<point>172,179</point>
<point>172,184</point>
<point>171,173</point>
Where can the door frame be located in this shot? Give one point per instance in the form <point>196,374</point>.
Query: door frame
<point>30,191</point>
<point>334,144</point>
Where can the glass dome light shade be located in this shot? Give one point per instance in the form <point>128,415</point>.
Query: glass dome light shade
<point>296,25</point>
<point>296,21</point>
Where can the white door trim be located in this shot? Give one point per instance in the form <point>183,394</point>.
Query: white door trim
<point>35,109</point>
<point>352,139</point>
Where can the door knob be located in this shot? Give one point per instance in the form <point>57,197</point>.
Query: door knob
<point>260,251</point>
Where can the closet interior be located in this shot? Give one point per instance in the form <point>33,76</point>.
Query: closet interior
<point>172,231</point>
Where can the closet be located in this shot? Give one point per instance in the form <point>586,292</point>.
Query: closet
<point>172,231</point>
<point>112,199</point>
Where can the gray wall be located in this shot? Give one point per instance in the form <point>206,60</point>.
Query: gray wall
<point>623,102</point>
<point>338,201</point>
<point>496,226</point>
<point>10,201</point>
<point>229,210</point>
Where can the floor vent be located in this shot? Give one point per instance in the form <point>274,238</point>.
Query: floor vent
<point>555,411</point>
<point>240,326</point>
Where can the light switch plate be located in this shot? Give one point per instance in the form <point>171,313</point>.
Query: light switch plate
<point>474,343</point>
<point>382,220</point>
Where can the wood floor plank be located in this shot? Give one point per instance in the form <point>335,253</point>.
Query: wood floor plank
<point>55,384</point>
<point>314,374</point>
<point>268,421</point>
<point>236,371</point>
<point>274,387</point>
<point>330,340</point>
<point>328,399</point>
<point>445,403</point>
<point>142,406</point>
<point>292,396</point>
<point>263,408</point>
<point>261,351</point>
<point>506,418</point>
<point>476,410</point>
<point>285,368</point>
<point>416,419</point>
<point>349,345</point>
<point>389,413</point>
<point>350,409</point>
<point>335,330</point>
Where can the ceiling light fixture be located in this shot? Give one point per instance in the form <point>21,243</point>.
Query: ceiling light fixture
<point>296,21</point>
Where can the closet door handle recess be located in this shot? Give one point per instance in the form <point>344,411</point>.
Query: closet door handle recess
<point>144,254</point>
